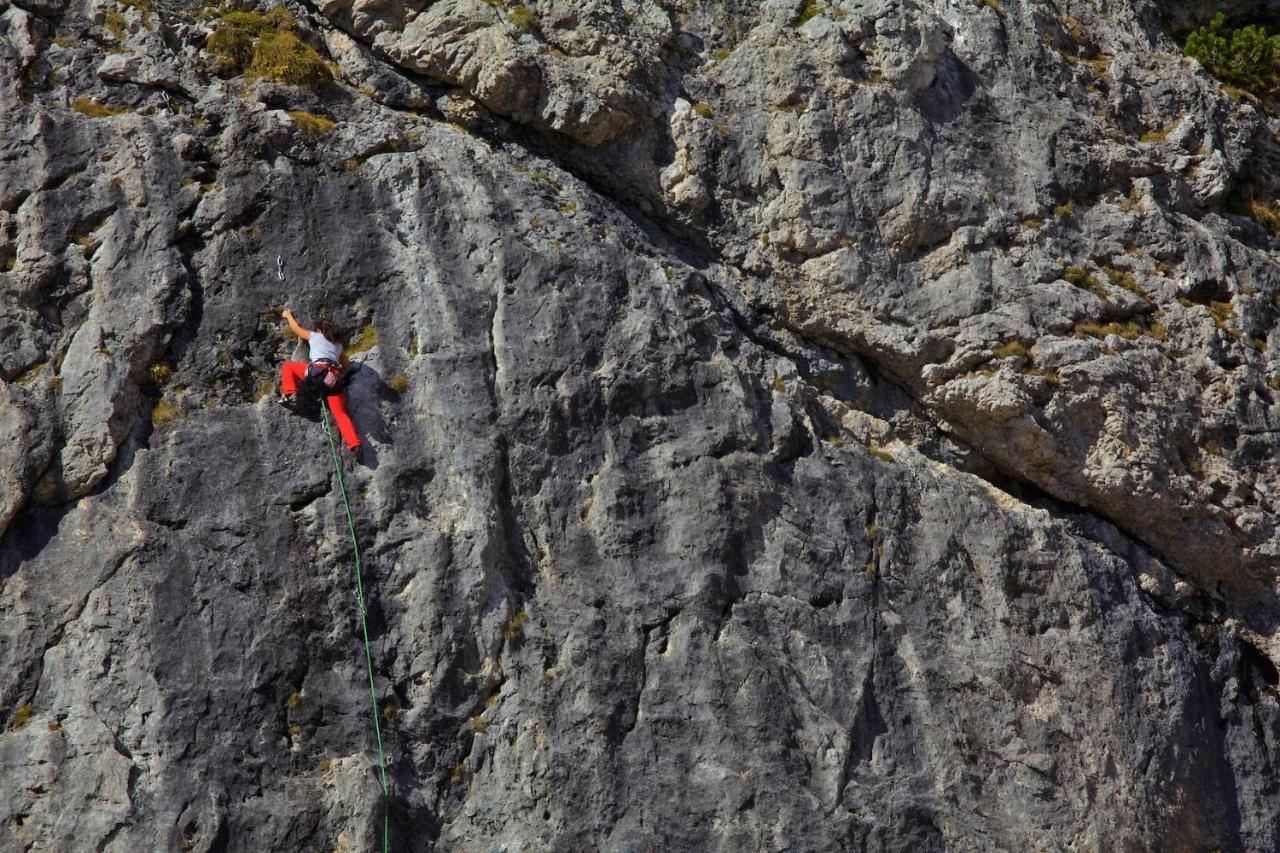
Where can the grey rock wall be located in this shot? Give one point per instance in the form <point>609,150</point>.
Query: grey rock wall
<point>790,426</point>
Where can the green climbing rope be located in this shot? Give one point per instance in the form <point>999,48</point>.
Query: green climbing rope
<point>364,628</point>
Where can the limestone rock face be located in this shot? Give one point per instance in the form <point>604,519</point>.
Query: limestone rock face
<point>788,425</point>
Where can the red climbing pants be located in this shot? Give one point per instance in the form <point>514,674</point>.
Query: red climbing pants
<point>294,372</point>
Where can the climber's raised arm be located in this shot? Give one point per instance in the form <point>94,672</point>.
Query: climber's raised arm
<point>305,334</point>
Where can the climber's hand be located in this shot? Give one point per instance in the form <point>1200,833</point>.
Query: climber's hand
<point>287,315</point>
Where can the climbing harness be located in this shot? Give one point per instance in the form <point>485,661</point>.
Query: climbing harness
<point>364,628</point>
<point>325,375</point>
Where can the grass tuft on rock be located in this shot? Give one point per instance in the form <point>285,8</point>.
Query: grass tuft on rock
<point>21,716</point>
<point>1120,278</point>
<point>1082,279</point>
<point>285,58</point>
<point>1012,349</point>
<point>311,124</point>
<point>1265,213</point>
<point>880,453</point>
<point>366,340</point>
<point>811,10</point>
<point>523,18</point>
<point>266,45</point>
<point>515,625</point>
<point>93,109</point>
<point>164,412</point>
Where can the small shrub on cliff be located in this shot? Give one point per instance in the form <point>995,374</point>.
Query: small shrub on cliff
<point>1246,57</point>
<point>265,45</point>
<point>285,58</point>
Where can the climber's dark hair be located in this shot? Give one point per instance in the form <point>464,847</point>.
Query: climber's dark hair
<point>332,331</point>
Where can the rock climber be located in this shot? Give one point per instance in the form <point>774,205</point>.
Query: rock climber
<point>324,370</point>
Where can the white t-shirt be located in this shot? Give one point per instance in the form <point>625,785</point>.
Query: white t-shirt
<point>322,348</point>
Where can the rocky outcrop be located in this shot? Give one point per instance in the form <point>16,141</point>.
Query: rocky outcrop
<point>828,425</point>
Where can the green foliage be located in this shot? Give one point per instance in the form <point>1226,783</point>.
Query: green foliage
<point>285,58</point>
<point>266,45</point>
<point>811,10</point>
<point>231,44</point>
<point>1245,57</point>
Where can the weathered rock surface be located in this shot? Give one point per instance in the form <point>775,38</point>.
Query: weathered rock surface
<point>791,425</point>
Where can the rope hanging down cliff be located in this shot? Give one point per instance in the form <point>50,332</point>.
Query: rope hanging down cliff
<point>361,609</point>
<point>364,628</point>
